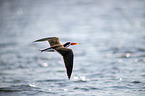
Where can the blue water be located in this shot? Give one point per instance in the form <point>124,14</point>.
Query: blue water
<point>110,60</point>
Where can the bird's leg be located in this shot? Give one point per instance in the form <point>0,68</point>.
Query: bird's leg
<point>47,50</point>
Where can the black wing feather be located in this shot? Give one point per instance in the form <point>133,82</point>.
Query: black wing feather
<point>68,59</point>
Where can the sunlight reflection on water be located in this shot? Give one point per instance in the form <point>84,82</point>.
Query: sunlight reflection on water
<point>109,60</point>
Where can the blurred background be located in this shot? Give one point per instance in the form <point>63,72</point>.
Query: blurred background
<point>110,60</point>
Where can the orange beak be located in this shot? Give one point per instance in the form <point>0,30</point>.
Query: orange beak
<point>75,43</point>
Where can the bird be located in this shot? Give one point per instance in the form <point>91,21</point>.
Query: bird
<point>66,52</point>
<point>67,44</point>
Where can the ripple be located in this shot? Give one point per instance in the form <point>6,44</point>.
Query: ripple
<point>121,87</point>
<point>78,81</point>
<point>136,82</point>
<point>86,88</point>
<point>13,81</point>
<point>51,80</point>
<point>7,89</point>
<point>19,88</point>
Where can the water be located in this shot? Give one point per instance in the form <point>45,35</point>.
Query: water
<point>110,60</point>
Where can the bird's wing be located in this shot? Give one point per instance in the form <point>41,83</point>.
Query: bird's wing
<point>47,50</point>
<point>44,39</point>
<point>52,40</point>
<point>68,59</point>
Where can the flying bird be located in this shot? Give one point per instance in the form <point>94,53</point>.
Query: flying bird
<point>66,52</point>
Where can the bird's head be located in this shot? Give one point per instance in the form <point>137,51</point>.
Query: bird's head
<point>67,44</point>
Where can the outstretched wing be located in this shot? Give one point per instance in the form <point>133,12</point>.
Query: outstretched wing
<point>44,39</point>
<point>52,40</point>
<point>68,59</point>
<point>47,50</point>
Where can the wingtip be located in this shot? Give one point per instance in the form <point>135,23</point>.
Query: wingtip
<point>44,39</point>
<point>33,42</point>
<point>40,50</point>
<point>69,77</point>
<point>40,40</point>
<point>36,41</point>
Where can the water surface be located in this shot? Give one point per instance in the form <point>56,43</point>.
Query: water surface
<point>110,60</point>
